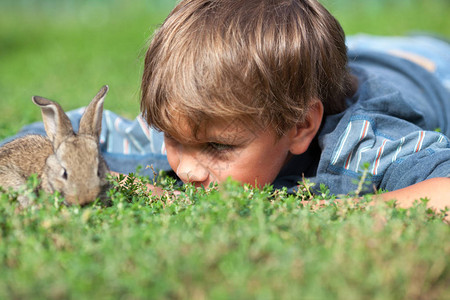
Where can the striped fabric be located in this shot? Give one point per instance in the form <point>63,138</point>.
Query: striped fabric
<point>360,143</point>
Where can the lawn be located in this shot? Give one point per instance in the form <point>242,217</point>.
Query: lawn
<point>232,243</point>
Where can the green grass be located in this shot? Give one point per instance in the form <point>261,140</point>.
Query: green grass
<point>66,50</point>
<point>227,243</point>
<point>232,243</point>
<point>387,17</point>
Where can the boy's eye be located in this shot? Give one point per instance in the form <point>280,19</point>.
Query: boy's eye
<point>220,147</point>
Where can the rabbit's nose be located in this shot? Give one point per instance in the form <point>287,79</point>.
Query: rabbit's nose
<point>83,198</point>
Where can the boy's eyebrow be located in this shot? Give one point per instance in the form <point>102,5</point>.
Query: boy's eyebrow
<point>236,137</point>
<point>229,132</point>
<point>221,138</point>
<point>228,140</point>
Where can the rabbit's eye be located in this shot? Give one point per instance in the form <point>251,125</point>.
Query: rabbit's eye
<point>64,174</point>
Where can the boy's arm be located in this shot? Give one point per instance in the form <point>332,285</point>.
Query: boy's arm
<point>437,190</point>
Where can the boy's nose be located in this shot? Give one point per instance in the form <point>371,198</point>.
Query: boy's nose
<point>191,170</point>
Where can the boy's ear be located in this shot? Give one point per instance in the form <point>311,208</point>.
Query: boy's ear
<point>304,132</point>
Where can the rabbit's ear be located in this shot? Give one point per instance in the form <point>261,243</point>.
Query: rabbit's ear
<point>57,124</point>
<point>91,122</point>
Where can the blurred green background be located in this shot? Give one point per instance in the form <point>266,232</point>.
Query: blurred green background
<point>67,49</point>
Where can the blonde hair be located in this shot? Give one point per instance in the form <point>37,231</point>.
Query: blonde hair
<point>259,60</point>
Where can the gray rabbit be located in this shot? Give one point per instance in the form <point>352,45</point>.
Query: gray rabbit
<point>64,161</point>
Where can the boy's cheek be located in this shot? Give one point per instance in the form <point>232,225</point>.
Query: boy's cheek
<point>256,176</point>
<point>172,158</point>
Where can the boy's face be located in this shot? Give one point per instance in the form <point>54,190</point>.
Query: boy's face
<point>227,149</point>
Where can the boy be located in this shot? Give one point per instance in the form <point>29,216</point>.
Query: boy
<point>261,91</point>
<point>264,91</point>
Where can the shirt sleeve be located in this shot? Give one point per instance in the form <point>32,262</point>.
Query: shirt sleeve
<point>127,144</point>
<point>392,153</point>
<point>390,130</point>
<point>431,163</point>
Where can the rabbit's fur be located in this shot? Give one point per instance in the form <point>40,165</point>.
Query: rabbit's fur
<point>64,161</point>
